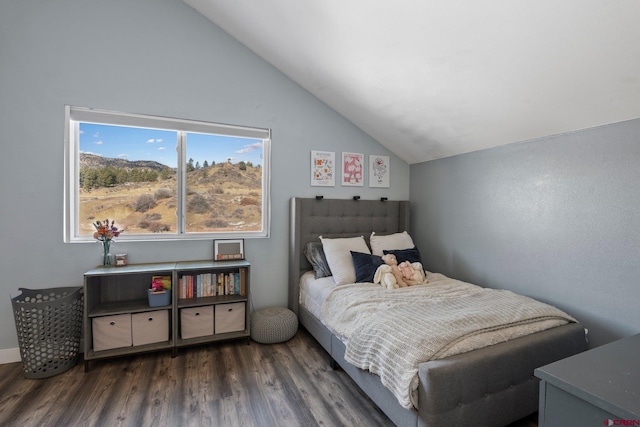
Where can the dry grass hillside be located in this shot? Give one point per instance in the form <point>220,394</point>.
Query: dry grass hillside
<point>221,197</point>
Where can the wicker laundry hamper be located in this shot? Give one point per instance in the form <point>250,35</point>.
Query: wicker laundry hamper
<point>49,327</point>
<point>273,325</point>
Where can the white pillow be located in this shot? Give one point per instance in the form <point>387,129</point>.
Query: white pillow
<point>390,242</point>
<point>338,254</point>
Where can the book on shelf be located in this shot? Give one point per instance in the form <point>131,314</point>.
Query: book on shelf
<point>161,282</point>
<point>235,284</point>
<point>211,284</point>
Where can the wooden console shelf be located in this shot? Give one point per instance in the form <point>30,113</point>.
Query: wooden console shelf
<point>118,320</point>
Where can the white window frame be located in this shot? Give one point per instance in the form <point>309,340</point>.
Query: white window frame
<point>75,115</point>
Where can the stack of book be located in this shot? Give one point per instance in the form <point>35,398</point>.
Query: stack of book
<point>210,285</point>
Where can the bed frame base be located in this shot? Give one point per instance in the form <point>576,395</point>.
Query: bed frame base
<point>492,386</point>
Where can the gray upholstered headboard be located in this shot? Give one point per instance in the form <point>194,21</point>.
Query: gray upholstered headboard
<point>311,218</point>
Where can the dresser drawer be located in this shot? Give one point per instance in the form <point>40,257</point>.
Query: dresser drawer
<point>111,332</point>
<point>196,322</point>
<point>150,327</point>
<point>229,317</point>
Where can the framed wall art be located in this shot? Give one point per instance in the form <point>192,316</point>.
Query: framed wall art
<point>323,168</point>
<point>379,171</point>
<point>353,169</point>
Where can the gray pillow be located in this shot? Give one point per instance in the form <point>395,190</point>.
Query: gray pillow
<point>314,253</point>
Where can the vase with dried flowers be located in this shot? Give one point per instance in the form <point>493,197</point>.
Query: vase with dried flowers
<point>105,232</point>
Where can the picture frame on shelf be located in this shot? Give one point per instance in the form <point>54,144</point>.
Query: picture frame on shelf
<point>121,260</point>
<point>225,250</point>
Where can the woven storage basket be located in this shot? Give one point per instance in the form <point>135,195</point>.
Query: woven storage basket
<point>273,325</point>
<point>49,327</point>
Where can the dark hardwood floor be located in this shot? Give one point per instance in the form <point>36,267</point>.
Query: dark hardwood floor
<point>229,384</point>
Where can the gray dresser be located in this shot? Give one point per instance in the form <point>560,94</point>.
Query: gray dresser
<point>597,387</point>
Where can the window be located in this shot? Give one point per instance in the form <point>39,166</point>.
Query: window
<point>164,178</point>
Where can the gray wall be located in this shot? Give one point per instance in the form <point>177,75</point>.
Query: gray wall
<point>556,218</point>
<point>152,57</point>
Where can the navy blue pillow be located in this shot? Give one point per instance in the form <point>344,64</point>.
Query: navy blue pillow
<point>412,255</point>
<point>365,265</point>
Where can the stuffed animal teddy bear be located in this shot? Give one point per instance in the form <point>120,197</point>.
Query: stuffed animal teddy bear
<point>392,276</point>
<point>392,261</point>
<point>413,273</point>
<point>388,273</point>
<point>385,277</point>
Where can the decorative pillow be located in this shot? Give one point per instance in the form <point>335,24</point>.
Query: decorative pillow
<point>392,241</point>
<point>338,254</point>
<point>315,255</point>
<point>365,265</point>
<point>412,255</point>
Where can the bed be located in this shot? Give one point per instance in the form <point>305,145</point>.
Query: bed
<point>491,386</point>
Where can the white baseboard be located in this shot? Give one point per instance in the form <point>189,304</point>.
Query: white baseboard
<point>10,355</point>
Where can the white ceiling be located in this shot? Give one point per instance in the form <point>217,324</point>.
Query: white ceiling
<point>430,79</point>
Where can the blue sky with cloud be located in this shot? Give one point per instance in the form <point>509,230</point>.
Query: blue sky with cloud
<point>160,145</point>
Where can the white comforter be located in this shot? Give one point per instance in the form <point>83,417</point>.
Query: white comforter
<point>390,332</point>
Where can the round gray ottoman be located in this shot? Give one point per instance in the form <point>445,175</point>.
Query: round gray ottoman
<point>273,325</point>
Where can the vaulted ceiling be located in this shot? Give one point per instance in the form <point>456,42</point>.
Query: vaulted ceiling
<point>430,79</point>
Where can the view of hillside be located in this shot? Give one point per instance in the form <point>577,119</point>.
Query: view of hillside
<point>141,196</point>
